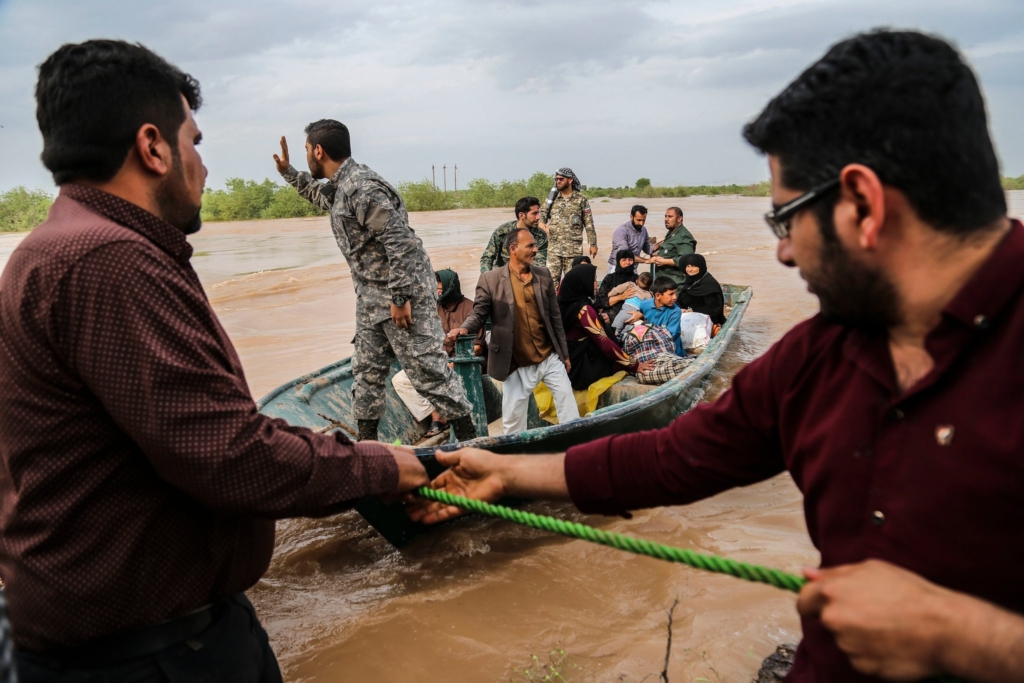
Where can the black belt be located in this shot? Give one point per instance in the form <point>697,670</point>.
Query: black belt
<point>127,645</point>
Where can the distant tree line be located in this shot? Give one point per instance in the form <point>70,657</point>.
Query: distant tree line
<point>1014,183</point>
<point>483,194</point>
<point>246,200</point>
<point>22,209</point>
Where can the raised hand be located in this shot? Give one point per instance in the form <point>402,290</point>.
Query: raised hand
<point>282,161</point>
<point>473,473</point>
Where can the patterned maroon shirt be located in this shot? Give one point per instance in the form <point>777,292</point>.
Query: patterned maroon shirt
<point>138,482</point>
<point>931,479</point>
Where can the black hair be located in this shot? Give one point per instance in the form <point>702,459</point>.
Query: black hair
<point>525,204</point>
<point>512,238</point>
<point>638,208</point>
<point>662,284</point>
<point>332,136</point>
<point>92,98</point>
<point>902,103</point>
<point>679,212</point>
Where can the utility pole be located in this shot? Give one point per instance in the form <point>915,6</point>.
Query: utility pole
<point>444,170</point>
<point>433,177</point>
<point>456,177</point>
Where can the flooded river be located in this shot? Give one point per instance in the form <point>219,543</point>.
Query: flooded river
<point>482,600</point>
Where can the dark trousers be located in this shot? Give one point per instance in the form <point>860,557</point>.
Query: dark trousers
<point>233,648</point>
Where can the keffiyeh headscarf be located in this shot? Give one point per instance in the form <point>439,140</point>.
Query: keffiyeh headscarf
<point>566,172</point>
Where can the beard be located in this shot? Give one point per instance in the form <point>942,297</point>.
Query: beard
<point>316,169</point>
<point>174,201</point>
<point>851,293</point>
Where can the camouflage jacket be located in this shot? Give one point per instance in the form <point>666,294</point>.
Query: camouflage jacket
<point>496,255</point>
<point>371,226</point>
<point>566,222</point>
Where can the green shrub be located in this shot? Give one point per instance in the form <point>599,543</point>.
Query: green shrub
<point>22,209</point>
<point>288,203</point>
<point>539,185</point>
<point>642,183</point>
<point>1014,183</point>
<point>761,189</point>
<point>423,196</point>
<point>246,200</point>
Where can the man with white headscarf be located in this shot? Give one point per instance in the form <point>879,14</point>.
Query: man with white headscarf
<point>564,219</point>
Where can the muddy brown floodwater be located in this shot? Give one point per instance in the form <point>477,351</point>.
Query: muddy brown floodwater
<point>478,600</point>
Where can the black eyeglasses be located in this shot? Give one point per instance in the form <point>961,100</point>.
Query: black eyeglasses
<point>778,219</point>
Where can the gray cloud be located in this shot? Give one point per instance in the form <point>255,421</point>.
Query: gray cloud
<point>615,89</point>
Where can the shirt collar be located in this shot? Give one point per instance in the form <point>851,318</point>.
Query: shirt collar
<point>994,287</point>
<point>345,167</point>
<point>996,284</point>
<point>155,229</point>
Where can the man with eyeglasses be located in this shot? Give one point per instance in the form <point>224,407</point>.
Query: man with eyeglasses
<point>896,409</point>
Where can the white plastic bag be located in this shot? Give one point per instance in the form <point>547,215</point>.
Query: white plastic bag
<point>695,330</point>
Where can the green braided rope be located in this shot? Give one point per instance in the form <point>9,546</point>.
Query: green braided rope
<point>711,563</point>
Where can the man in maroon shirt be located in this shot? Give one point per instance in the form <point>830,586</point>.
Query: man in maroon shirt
<point>896,409</point>
<point>139,484</point>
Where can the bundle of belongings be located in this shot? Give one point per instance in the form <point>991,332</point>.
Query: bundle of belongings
<point>645,342</point>
<point>695,331</point>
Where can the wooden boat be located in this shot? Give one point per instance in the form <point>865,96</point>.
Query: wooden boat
<point>322,401</point>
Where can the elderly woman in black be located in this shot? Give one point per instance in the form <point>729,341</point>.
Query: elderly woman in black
<point>700,291</point>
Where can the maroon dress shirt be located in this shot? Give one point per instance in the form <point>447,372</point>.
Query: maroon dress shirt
<point>931,479</point>
<point>138,482</point>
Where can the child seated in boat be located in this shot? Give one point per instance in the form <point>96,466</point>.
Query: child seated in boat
<point>661,310</point>
<point>636,292</point>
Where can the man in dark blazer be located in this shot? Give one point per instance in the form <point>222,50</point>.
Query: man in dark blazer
<point>527,343</point>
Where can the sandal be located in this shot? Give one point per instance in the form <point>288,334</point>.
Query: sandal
<point>436,427</point>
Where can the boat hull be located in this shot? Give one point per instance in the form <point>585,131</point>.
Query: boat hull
<point>322,401</point>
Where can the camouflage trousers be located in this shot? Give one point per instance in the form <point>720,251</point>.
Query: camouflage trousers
<point>559,266</point>
<point>422,356</point>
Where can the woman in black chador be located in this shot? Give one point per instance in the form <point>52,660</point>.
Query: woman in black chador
<point>623,273</point>
<point>700,291</point>
<point>592,351</point>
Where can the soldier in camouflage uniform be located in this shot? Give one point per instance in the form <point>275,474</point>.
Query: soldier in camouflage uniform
<point>565,220</point>
<point>396,291</point>
<point>527,216</point>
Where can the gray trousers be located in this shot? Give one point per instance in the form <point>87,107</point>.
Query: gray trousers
<point>419,349</point>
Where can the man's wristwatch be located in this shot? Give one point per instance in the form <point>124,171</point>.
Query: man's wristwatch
<point>399,300</point>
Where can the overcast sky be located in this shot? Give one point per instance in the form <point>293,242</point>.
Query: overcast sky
<point>615,89</point>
